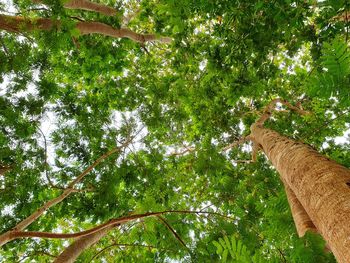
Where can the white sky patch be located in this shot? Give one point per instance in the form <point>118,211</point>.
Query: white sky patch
<point>8,210</point>
<point>48,125</point>
<point>341,140</point>
<point>203,64</point>
<point>9,7</point>
<point>5,84</point>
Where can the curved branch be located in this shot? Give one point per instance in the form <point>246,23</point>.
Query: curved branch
<point>113,222</point>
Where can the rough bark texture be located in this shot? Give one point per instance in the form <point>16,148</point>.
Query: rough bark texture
<point>73,251</point>
<point>319,184</point>
<point>302,221</point>
<point>91,6</point>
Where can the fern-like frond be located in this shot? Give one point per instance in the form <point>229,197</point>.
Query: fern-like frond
<point>332,77</point>
<point>336,58</point>
<point>232,250</point>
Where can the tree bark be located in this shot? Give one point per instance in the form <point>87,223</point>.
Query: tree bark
<point>104,29</point>
<point>73,251</point>
<point>302,221</point>
<point>319,184</point>
<point>91,6</point>
<point>18,24</point>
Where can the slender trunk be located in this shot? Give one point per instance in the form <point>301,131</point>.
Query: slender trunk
<point>303,223</point>
<point>319,184</point>
<point>78,246</point>
<point>18,24</point>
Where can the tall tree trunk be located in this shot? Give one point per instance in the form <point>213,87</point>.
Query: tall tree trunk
<point>73,251</point>
<point>319,184</point>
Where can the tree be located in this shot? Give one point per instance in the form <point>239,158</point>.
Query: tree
<point>135,150</point>
<point>318,185</point>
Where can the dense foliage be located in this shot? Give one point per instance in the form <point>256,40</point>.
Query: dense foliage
<point>66,99</point>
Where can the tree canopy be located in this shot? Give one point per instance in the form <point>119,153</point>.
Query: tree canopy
<point>129,113</point>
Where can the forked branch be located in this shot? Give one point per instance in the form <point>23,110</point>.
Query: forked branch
<point>271,107</point>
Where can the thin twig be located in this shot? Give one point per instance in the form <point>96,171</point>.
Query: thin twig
<point>45,159</point>
<point>4,47</point>
<point>172,230</point>
<point>236,143</point>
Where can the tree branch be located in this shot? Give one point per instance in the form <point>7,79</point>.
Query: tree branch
<point>45,159</point>
<point>8,236</point>
<point>91,6</point>
<point>236,143</point>
<point>86,28</point>
<point>172,230</point>
<point>113,222</point>
<point>272,107</point>
<point>17,24</point>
